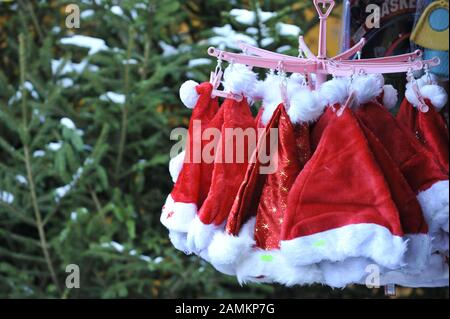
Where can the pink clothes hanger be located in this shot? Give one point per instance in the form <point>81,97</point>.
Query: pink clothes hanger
<point>303,47</point>
<point>322,66</point>
<point>422,107</point>
<point>215,78</point>
<point>350,52</point>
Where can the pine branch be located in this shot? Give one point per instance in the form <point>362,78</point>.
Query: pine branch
<point>147,42</point>
<point>18,213</point>
<point>124,122</point>
<point>34,20</point>
<point>256,9</point>
<point>21,256</point>
<point>19,238</point>
<point>37,213</point>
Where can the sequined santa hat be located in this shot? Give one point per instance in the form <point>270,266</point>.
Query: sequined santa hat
<point>250,242</point>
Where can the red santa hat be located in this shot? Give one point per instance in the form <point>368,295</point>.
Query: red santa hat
<point>191,179</point>
<point>227,175</point>
<point>429,126</point>
<point>422,172</point>
<point>420,169</point>
<point>262,199</point>
<point>419,253</point>
<point>340,205</point>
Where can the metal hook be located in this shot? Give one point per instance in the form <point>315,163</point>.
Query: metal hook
<point>426,68</point>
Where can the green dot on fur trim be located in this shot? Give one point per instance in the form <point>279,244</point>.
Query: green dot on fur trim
<point>320,243</point>
<point>267,258</point>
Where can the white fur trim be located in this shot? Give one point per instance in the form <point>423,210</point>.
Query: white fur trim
<point>334,91</point>
<point>418,252</point>
<point>356,240</point>
<point>434,275</point>
<point>176,165</point>
<point>360,270</point>
<point>390,96</point>
<point>435,206</point>
<point>178,240</point>
<point>436,94</point>
<point>366,88</point>
<point>271,266</point>
<point>188,94</point>
<point>239,79</point>
<point>354,270</point>
<point>226,249</point>
<point>200,235</point>
<point>305,106</point>
<point>178,216</point>
<point>440,241</point>
<point>344,273</point>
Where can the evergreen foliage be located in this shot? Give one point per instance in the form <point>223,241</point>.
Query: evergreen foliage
<point>85,138</point>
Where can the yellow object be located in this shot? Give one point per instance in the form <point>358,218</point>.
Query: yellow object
<point>431,31</point>
<point>333,31</point>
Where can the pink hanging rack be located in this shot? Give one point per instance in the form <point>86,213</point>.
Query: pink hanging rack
<point>340,65</point>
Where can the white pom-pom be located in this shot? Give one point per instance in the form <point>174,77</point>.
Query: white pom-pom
<point>305,106</point>
<point>436,94</point>
<point>258,91</point>
<point>297,78</point>
<point>366,88</point>
<point>390,96</point>
<point>269,108</point>
<point>427,79</point>
<point>271,97</point>
<point>379,78</point>
<point>334,91</point>
<point>411,95</point>
<point>239,79</point>
<point>175,166</point>
<point>188,94</point>
<point>428,89</point>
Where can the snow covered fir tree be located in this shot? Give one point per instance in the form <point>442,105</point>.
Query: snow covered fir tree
<point>85,121</point>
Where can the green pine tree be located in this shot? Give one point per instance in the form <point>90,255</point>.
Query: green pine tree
<point>85,137</point>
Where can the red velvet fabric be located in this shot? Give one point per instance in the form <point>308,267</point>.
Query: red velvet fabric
<point>417,164</point>
<point>411,216</point>
<point>406,116</point>
<point>430,129</point>
<point>228,174</point>
<point>258,118</point>
<point>194,180</point>
<point>341,184</point>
